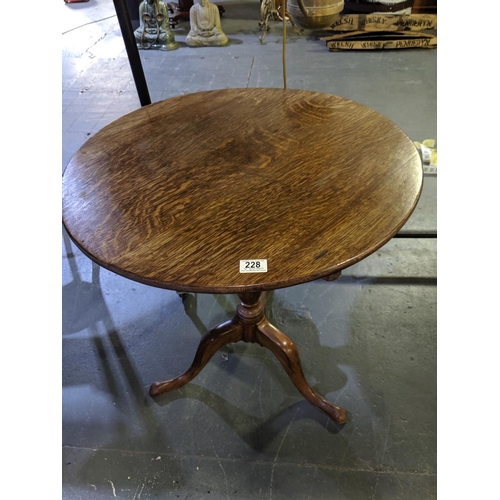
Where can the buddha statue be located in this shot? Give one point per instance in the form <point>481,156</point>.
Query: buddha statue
<point>206,29</point>
<point>154,30</point>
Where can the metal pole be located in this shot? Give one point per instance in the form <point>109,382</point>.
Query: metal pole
<point>416,234</point>
<point>132,51</point>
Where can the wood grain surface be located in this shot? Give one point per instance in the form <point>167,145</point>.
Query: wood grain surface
<point>174,194</point>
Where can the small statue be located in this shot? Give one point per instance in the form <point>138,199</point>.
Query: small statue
<point>154,30</point>
<point>206,29</point>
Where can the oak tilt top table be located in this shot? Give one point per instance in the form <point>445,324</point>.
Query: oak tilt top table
<point>241,191</point>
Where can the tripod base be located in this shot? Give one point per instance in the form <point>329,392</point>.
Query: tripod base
<point>250,325</point>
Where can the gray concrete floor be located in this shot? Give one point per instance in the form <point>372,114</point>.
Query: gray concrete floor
<point>241,430</point>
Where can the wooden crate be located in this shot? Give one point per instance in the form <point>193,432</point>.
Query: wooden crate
<point>364,7</point>
<point>424,7</point>
<point>382,31</point>
<point>378,40</point>
<point>381,22</point>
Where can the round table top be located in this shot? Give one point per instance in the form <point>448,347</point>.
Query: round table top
<point>177,193</point>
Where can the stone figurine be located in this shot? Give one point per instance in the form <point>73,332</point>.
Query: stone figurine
<point>154,30</point>
<point>206,28</point>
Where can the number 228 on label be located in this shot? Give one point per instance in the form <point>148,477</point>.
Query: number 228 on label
<point>253,266</point>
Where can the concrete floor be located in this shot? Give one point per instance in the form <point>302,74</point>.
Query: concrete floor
<point>241,430</point>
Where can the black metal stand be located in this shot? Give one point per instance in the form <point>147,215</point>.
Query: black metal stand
<point>416,234</point>
<point>132,51</point>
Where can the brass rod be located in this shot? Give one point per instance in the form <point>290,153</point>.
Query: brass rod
<point>283,15</point>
